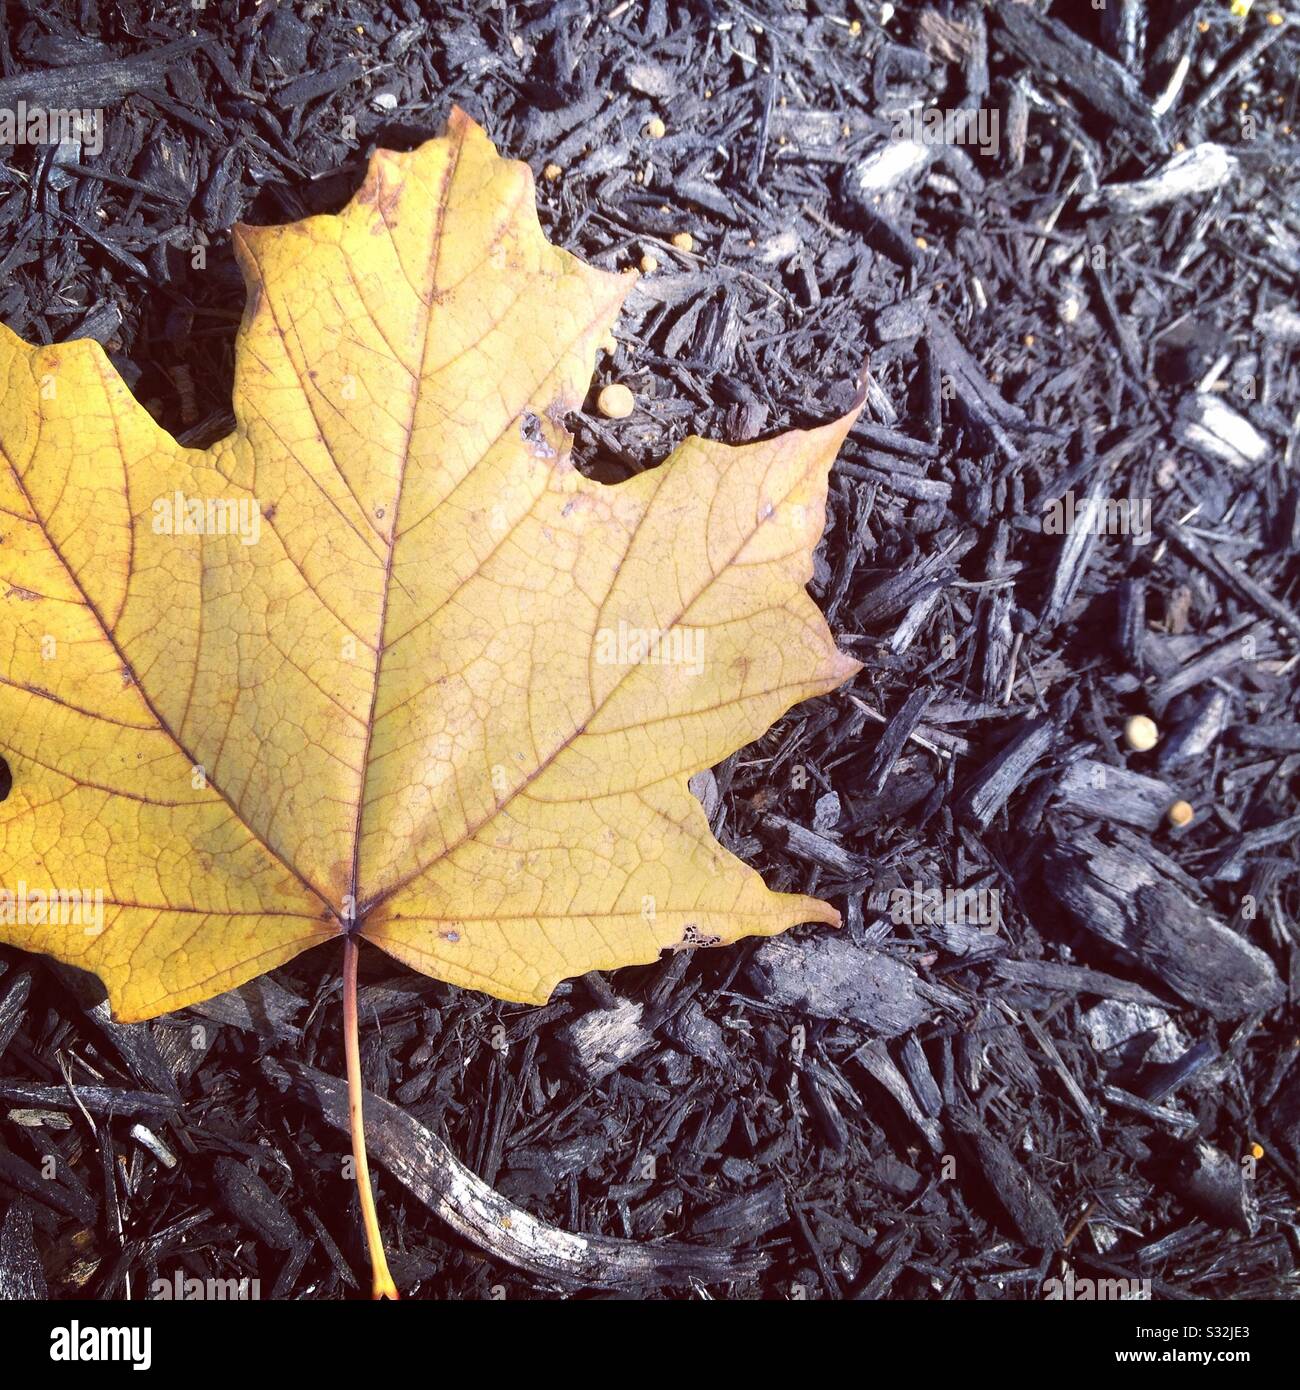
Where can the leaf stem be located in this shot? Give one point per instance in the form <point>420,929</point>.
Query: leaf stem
<point>382,1285</point>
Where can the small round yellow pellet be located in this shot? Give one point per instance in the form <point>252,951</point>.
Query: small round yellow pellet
<point>1180,814</point>
<point>1140,733</point>
<point>615,401</point>
<point>552,172</point>
<point>684,241</point>
<point>1257,1151</point>
<point>609,344</point>
<point>655,128</point>
<point>648,264</point>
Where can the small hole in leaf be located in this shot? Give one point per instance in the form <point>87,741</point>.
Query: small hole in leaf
<point>6,779</point>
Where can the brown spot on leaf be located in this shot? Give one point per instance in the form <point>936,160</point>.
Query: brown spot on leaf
<point>693,938</point>
<point>381,192</point>
<point>390,195</point>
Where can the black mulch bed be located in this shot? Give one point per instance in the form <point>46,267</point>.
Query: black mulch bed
<point>922,1108</point>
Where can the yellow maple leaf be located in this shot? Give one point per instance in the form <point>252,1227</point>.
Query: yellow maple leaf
<point>383,656</point>
<point>382,662</point>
